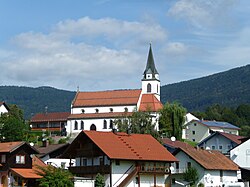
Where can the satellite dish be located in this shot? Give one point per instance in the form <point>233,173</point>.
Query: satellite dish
<point>173,139</point>
<point>207,148</point>
<point>31,144</point>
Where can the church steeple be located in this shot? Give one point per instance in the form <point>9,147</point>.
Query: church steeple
<point>150,68</point>
<point>150,80</point>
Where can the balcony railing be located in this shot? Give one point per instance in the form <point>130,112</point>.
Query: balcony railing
<point>176,171</point>
<point>154,169</point>
<point>104,169</point>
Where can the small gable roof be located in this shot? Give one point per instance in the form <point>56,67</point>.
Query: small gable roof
<point>127,146</point>
<point>234,138</point>
<point>217,124</point>
<point>52,116</point>
<point>8,147</point>
<point>210,160</point>
<point>106,98</point>
<point>49,149</point>
<point>150,103</point>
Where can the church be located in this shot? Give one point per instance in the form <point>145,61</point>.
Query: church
<point>98,110</point>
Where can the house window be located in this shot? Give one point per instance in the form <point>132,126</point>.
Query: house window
<point>63,165</point>
<point>111,124</point>
<point>104,124</point>
<point>229,146</point>
<point>101,161</point>
<point>213,147</point>
<point>83,111</point>
<point>76,125</point>
<point>189,164</point>
<point>84,162</point>
<point>193,132</point>
<point>193,140</point>
<point>111,109</point>
<point>117,162</point>
<point>220,147</point>
<point>3,158</point>
<point>221,175</point>
<point>149,88</point>
<point>177,165</point>
<point>82,125</point>
<point>96,110</point>
<point>20,159</point>
<point>194,124</point>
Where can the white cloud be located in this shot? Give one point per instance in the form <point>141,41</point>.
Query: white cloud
<point>62,60</point>
<point>203,13</point>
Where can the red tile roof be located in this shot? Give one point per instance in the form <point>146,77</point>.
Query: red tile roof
<point>107,98</point>
<point>29,173</point>
<point>53,116</point>
<point>210,160</point>
<point>10,146</point>
<point>99,115</point>
<point>150,103</point>
<point>130,147</point>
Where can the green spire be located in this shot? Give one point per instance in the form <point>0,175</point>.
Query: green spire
<point>150,68</point>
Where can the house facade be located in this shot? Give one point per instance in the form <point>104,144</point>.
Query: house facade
<point>98,110</point>
<point>220,141</point>
<point>213,168</point>
<point>3,108</point>
<point>241,156</point>
<point>18,165</point>
<point>123,159</point>
<point>51,122</point>
<point>198,130</point>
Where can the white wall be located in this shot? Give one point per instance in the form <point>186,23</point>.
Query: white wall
<point>155,87</point>
<point>201,131</point>
<point>241,154</point>
<point>3,109</point>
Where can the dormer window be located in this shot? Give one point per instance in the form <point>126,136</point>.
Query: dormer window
<point>111,109</point>
<point>20,159</point>
<point>83,111</point>
<point>96,110</point>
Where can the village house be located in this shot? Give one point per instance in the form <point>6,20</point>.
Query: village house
<point>98,110</point>
<point>18,165</point>
<point>123,159</point>
<point>241,156</point>
<point>213,168</point>
<point>198,130</point>
<point>3,108</point>
<point>220,141</point>
<point>50,122</point>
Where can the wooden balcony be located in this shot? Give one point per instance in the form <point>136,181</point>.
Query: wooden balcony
<point>154,169</point>
<point>87,170</point>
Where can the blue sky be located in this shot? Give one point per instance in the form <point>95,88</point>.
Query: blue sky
<point>103,44</point>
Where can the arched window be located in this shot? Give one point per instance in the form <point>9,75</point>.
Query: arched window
<point>104,124</point>
<point>111,124</point>
<point>93,127</point>
<point>149,88</point>
<point>76,125</point>
<point>125,109</point>
<point>83,111</point>
<point>82,125</point>
<point>97,110</point>
<point>111,110</point>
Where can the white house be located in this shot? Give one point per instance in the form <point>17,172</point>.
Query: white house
<point>3,108</point>
<point>98,110</point>
<point>221,141</point>
<point>188,117</point>
<point>213,168</point>
<point>241,156</point>
<point>123,159</point>
<point>198,130</point>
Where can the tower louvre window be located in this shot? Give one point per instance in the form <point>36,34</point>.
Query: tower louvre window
<point>149,88</point>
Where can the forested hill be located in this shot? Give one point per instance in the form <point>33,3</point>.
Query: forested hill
<point>229,88</point>
<point>34,100</point>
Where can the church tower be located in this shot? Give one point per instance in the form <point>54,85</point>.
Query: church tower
<point>150,80</point>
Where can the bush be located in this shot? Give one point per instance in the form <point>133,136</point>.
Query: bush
<point>99,180</point>
<point>191,175</point>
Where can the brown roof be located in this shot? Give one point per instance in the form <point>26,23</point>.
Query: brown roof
<point>10,146</point>
<point>233,137</point>
<point>53,116</point>
<point>150,102</point>
<point>210,160</point>
<point>130,147</point>
<point>29,173</point>
<point>175,144</point>
<point>49,148</point>
<point>107,98</point>
<point>99,115</point>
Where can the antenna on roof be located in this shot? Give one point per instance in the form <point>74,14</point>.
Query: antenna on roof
<point>173,139</point>
<point>77,88</point>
